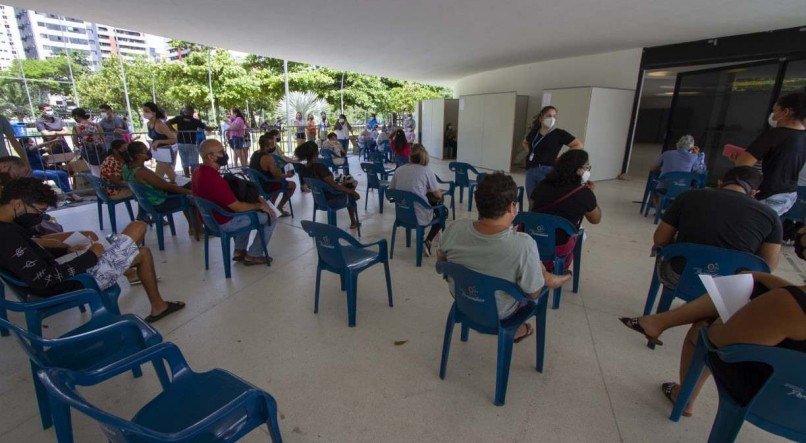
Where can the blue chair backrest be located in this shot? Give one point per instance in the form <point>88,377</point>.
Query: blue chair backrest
<point>279,161</point>
<point>18,288</point>
<point>206,210</point>
<point>327,239</point>
<point>141,193</point>
<point>680,182</point>
<point>257,177</point>
<point>703,259</point>
<point>543,229</point>
<point>373,174</point>
<point>405,203</point>
<point>780,405</point>
<point>385,146</point>
<point>460,170</point>
<point>99,185</point>
<point>401,160</point>
<point>33,345</point>
<point>798,211</point>
<point>474,295</point>
<point>320,191</point>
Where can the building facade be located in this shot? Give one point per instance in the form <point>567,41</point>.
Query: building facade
<point>10,43</point>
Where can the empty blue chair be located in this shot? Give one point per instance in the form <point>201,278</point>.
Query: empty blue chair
<point>198,407</point>
<point>103,340</point>
<point>699,259</point>
<point>778,407</point>
<point>461,177</point>
<point>141,193</point>
<point>327,160</point>
<point>37,309</point>
<point>207,209</point>
<point>676,184</point>
<point>797,213</point>
<point>474,307</point>
<point>347,260</point>
<point>378,159</point>
<point>260,178</point>
<point>479,178</point>
<point>406,218</point>
<point>543,229</point>
<point>101,188</point>
<point>323,194</point>
<point>374,181</point>
<point>449,192</point>
<point>649,189</point>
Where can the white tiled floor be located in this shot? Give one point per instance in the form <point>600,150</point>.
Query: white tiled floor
<point>335,383</point>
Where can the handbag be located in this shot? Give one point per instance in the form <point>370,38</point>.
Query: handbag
<point>244,190</point>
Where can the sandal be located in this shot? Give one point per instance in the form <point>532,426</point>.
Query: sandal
<point>172,306</point>
<point>251,261</point>
<point>355,225</point>
<point>284,213</point>
<point>632,323</point>
<point>238,255</point>
<point>529,331</point>
<point>667,389</point>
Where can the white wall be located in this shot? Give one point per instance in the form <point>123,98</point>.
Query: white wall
<point>611,70</point>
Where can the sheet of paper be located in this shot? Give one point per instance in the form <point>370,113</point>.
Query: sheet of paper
<point>162,155</point>
<point>274,209</point>
<point>546,99</point>
<point>288,167</point>
<point>77,239</point>
<point>729,293</point>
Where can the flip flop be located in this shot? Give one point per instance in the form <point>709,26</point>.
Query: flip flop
<point>172,306</point>
<point>632,323</point>
<point>285,213</point>
<point>529,331</point>
<point>238,255</point>
<point>667,389</point>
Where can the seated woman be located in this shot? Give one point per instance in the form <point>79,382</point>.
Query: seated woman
<point>112,170</point>
<point>263,160</point>
<point>567,192</point>
<point>23,205</point>
<point>416,177</point>
<point>309,152</point>
<point>400,144</point>
<point>332,144</point>
<point>45,172</point>
<point>775,316</point>
<point>135,171</point>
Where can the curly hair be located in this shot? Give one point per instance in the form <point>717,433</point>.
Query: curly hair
<point>307,151</point>
<point>565,168</point>
<point>30,190</point>
<point>494,195</point>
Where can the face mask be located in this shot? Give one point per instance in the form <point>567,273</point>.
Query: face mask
<point>341,120</point>
<point>772,121</point>
<point>222,161</point>
<point>548,122</point>
<point>586,176</point>
<point>148,155</point>
<point>148,115</point>
<point>49,113</point>
<point>28,221</point>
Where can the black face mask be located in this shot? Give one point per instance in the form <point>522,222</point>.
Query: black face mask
<point>223,160</point>
<point>28,221</point>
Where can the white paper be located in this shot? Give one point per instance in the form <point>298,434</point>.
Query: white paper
<point>274,209</point>
<point>77,239</point>
<point>546,99</point>
<point>729,293</point>
<point>162,155</point>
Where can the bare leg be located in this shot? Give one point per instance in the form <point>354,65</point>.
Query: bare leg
<point>144,262</point>
<point>135,230</point>
<point>353,215</point>
<point>287,195</point>
<point>698,309</point>
<point>686,355</point>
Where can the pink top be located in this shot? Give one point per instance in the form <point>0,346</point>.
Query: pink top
<point>237,127</point>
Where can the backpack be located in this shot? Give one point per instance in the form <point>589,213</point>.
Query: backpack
<point>244,190</point>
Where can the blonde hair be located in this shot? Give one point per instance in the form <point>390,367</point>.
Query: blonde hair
<point>419,155</point>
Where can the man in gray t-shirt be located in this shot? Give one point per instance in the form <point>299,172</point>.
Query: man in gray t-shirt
<point>112,125</point>
<point>492,247</point>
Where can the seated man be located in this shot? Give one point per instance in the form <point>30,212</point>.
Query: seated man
<point>728,217</point>
<point>23,204</point>
<point>686,158</point>
<point>264,160</point>
<point>492,247</point>
<point>209,185</point>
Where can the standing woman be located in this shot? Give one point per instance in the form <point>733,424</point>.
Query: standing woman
<point>89,137</point>
<point>400,144</point>
<point>343,131</point>
<point>237,130</point>
<point>782,151</point>
<point>299,127</point>
<point>162,137</point>
<point>543,143</point>
<point>311,129</point>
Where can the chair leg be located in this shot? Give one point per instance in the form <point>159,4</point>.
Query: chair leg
<point>559,264</point>
<point>461,194</point>
<point>659,210</point>
<point>316,292</point>
<point>160,234</point>
<point>408,237</point>
<point>291,207</point>
<point>505,342</point>
<point>265,246</point>
<point>453,207</point>
<point>380,200</point>
<point>162,375</point>
<point>272,423</point>
<point>540,332</point>
<point>128,204</point>
<point>727,424</point>
<point>352,290</point>
<point>314,212</point>
<point>392,246</point>
<point>137,372</point>
<point>225,254</point>
<point>42,399</point>
<point>419,246</point>
<point>171,224</point>
<point>577,262</point>
<point>343,282</point>
<point>100,215</point>
<point>652,294</point>
<point>61,419</point>
<point>4,315</point>
<point>388,282</point>
<point>470,198</point>
<point>112,218</point>
<point>446,342</point>
<point>465,332</point>
<point>366,199</point>
<point>206,252</point>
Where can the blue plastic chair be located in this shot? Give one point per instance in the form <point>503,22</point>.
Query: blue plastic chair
<point>327,160</point>
<point>543,229</point>
<point>207,209</point>
<point>676,184</point>
<point>320,191</point>
<point>101,188</point>
<point>700,259</point>
<point>406,218</point>
<point>198,407</point>
<point>461,177</point>
<point>474,307</point>
<point>260,178</point>
<point>103,340</point>
<point>797,213</point>
<point>649,189</point>
<point>141,193</point>
<point>37,309</point>
<point>479,178</point>
<point>778,407</point>
<point>450,192</point>
<point>347,260</point>
<point>401,160</point>
<point>385,147</point>
<point>374,181</point>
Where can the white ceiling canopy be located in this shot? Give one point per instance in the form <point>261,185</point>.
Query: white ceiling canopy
<point>434,41</point>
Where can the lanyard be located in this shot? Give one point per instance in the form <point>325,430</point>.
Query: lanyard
<point>536,141</point>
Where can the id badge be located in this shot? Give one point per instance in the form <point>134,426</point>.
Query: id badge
<point>531,157</point>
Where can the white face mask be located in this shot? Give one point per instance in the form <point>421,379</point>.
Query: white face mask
<point>341,120</point>
<point>772,121</point>
<point>548,122</point>
<point>49,113</point>
<point>148,115</point>
<point>586,176</point>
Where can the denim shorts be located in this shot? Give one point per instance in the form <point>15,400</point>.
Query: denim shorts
<point>189,154</point>
<point>780,203</point>
<point>236,142</point>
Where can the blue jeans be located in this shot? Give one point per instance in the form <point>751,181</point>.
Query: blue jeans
<point>345,143</point>
<point>534,176</point>
<point>189,154</point>
<point>60,177</point>
<point>255,249</point>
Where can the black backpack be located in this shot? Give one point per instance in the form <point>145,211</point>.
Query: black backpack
<point>244,190</point>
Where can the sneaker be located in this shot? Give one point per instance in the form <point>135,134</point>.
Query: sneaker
<point>427,248</point>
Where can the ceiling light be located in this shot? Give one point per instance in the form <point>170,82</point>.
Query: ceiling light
<point>660,74</point>
<point>666,94</point>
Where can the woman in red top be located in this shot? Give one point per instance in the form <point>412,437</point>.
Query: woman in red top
<point>400,145</point>
<point>112,170</point>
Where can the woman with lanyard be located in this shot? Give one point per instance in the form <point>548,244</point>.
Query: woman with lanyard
<point>544,142</point>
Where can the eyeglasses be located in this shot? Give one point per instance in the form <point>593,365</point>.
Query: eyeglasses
<point>37,211</point>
